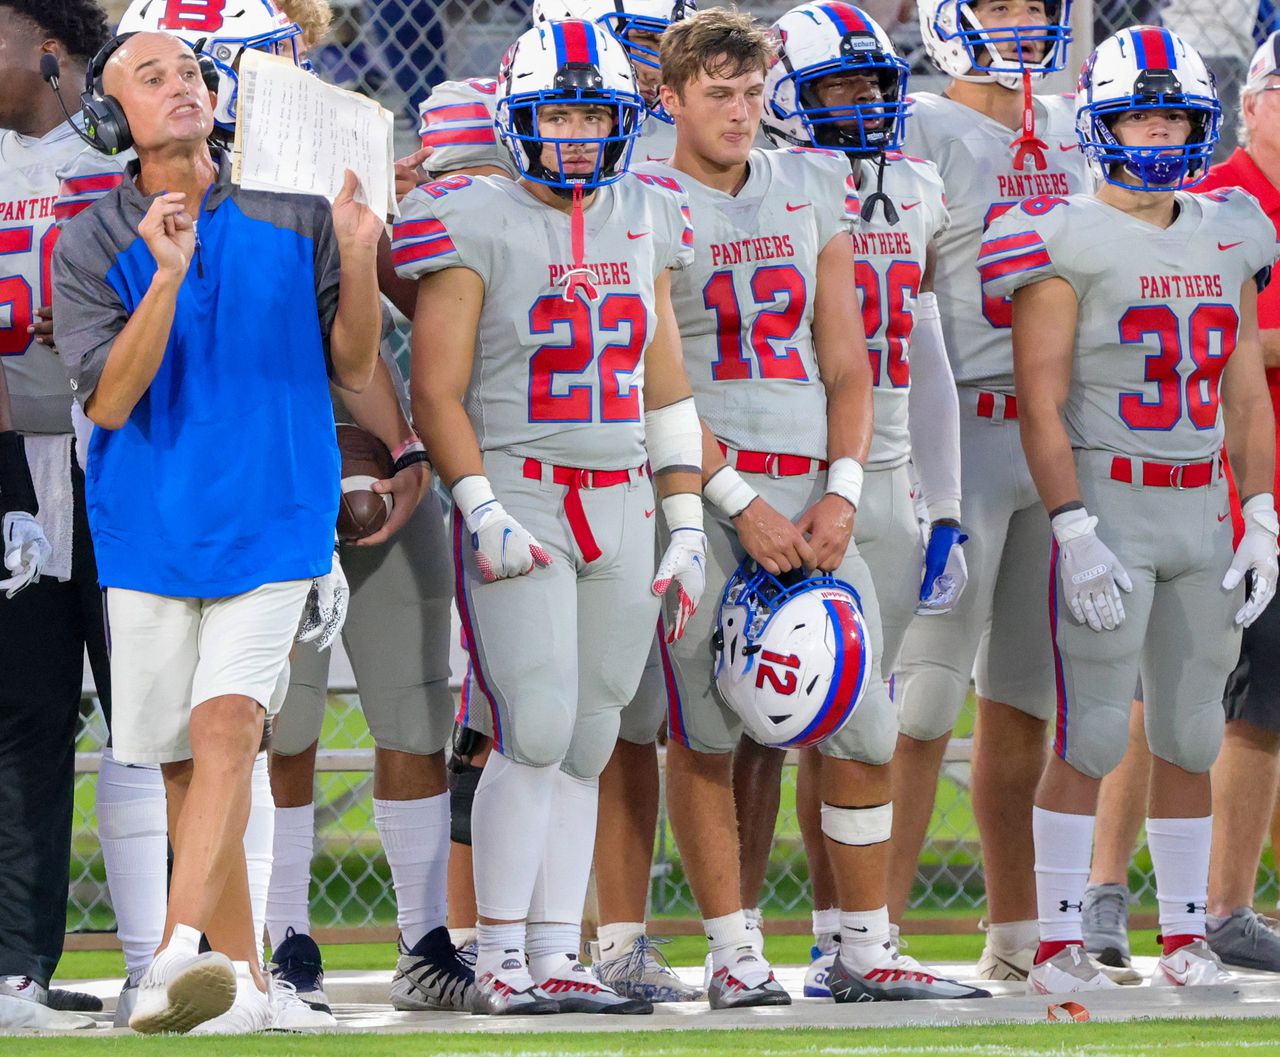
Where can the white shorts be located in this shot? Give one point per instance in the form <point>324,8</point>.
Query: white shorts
<point>170,654</point>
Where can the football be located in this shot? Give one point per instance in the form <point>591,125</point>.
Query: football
<point>365,459</point>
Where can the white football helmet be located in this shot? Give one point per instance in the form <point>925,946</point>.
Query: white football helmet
<point>220,29</point>
<point>1147,68</point>
<point>956,40</point>
<point>817,40</point>
<point>621,18</point>
<point>576,63</point>
<point>791,659</point>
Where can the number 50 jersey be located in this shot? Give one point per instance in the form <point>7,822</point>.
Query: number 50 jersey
<point>1159,310</point>
<point>561,381</point>
<point>745,307</point>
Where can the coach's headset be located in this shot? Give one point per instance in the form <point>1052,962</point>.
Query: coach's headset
<point>105,126</point>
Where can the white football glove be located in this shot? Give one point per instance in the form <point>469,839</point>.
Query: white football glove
<point>1256,554</point>
<point>945,570</point>
<point>25,551</point>
<point>1092,577</point>
<point>325,610</point>
<point>685,559</point>
<point>504,548</point>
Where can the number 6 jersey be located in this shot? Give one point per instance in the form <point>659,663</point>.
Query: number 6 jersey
<point>561,381</point>
<point>1159,310</point>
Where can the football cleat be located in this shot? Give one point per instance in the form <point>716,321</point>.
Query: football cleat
<point>1192,965</point>
<point>894,978</point>
<point>128,997</point>
<point>179,991</point>
<point>579,991</point>
<point>1015,966</point>
<point>297,962</point>
<point>431,975</point>
<point>291,1013</point>
<point>1068,971</point>
<point>1246,939</point>
<point>510,991</point>
<point>53,997</point>
<point>642,972</point>
<point>746,981</point>
<point>815,977</point>
<point>1106,924</point>
<point>467,955</point>
<point>252,1010</point>
<point>21,1014</point>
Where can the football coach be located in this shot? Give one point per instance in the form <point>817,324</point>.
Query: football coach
<point>200,325</point>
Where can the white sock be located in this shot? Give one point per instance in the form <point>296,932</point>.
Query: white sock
<point>510,817</point>
<point>755,917</point>
<point>618,937</point>
<point>560,892</point>
<point>864,935</point>
<point>736,947</point>
<point>133,830</point>
<point>184,941</point>
<point>1180,855</point>
<point>826,925</point>
<point>461,937</point>
<point>293,844</point>
<point>1064,849</point>
<point>548,944</point>
<point>415,837</point>
<point>259,836</point>
<point>1009,937</point>
<point>500,950</point>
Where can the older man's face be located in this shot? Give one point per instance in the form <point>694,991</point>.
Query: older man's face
<point>1262,115</point>
<point>156,79</point>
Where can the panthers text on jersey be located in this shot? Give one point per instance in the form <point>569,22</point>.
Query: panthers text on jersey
<point>745,307</point>
<point>1159,310</point>
<point>457,123</point>
<point>42,183</point>
<point>974,156</point>
<point>559,380</point>
<point>889,265</point>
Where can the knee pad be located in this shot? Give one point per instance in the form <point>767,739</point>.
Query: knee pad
<point>1193,741</point>
<point>1095,750</point>
<point>463,779</point>
<point>592,746</point>
<point>858,826</point>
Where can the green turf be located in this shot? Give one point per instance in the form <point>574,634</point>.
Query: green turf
<point>1207,1037</point>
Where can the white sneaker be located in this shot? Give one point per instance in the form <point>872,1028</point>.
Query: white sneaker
<point>1068,971</point>
<point>821,961</point>
<point>293,1014</point>
<point>251,1011</point>
<point>179,991</point>
<point>19,1014</point>
<point>1006,966</point>
<point>1191,965</point>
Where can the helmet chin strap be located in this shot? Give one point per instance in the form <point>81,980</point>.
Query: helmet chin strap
<point>1028,146</point>
<point>878,197</point>
<point>579,276</point>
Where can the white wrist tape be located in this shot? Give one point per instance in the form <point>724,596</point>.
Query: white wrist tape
<point>673,437</point>
<point>858,826</point>
<point>1260,510</point>
<point>728,492</point>
<point>683,511</point>
<point>844,478</point>
<point>471,494</point>
<point>1073,525</point>
<point>943,509</point>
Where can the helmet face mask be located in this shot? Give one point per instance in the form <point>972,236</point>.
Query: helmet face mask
<point>824,40</point>
<point>792,654</point>
<point>559,64</point>
<point>961,46</point>
<point>1147,69</point>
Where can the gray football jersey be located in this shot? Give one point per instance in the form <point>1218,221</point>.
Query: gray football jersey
<point>889,264</point>
<point>456,121</point>
<point>745,307</point>
<point>42,181</point>
<point>657,142</point>
<point>1158,316</point>
<point>974,156</point>
<point>558,380</point>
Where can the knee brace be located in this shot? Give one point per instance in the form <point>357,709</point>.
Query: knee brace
<point>858,826</point>
<point>463,779</point>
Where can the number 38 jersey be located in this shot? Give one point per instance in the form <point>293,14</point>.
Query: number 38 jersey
<point>889,263</point>
<point>40,179</point>
<point>1159,310</point>
<point>745,308</point>
<point>558,380</point>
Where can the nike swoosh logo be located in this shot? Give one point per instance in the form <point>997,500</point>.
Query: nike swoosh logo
<point>1222,518</point>
<point>910,205</point>
<point>1067,146</point>
<point>803,205</point>
<point>865,928</point>
<point>1229,245</point>
<point>636,235</point>
<point>648,513</point>
<point>503,550</point>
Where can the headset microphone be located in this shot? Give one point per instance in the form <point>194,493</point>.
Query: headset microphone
<point>51,71</point>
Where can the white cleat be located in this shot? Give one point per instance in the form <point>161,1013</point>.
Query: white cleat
<point>18,1014</point>
<point>1191,965</point>
<point>178,992</point>
<point>1068,971</point>
<point>293,1014</point>
<point>252,1010</point>
<point>1016,966</point>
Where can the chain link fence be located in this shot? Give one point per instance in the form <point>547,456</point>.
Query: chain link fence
<point>393,49</point>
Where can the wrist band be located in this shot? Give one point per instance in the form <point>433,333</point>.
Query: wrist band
<point>844,478</point>
<point>409,458</point>
<point>410,443</point>
<point>728,492</point>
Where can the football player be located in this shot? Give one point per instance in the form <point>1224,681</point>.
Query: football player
<point>544,449</point>
<point>1136,354</point>
<point>780,371</point>
<point>994,143</point>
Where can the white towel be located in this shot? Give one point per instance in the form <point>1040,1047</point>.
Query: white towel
<point>49,456</point>
<point>84,432</point>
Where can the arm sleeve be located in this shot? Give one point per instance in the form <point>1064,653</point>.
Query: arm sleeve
<point>933,414</point>
<point>89,313</point>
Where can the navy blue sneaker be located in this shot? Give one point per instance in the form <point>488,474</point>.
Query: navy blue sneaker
<point>432,975</point>
<point>296,963</point>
